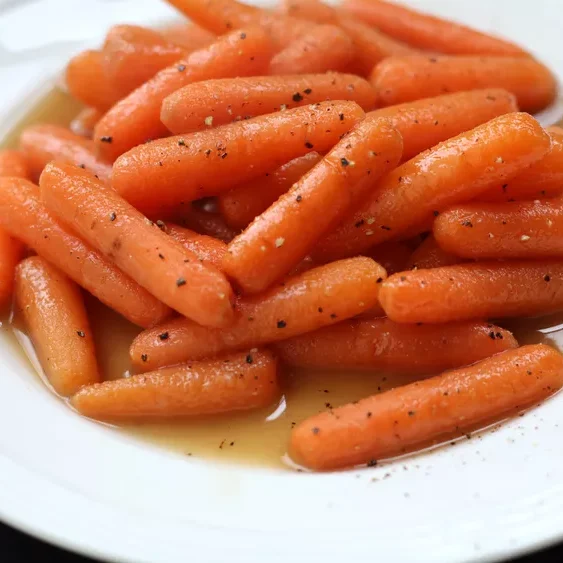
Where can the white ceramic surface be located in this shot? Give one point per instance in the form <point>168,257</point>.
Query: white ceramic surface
<point>83,486</point>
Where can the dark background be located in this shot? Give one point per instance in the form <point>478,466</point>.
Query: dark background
<point>17,548</point>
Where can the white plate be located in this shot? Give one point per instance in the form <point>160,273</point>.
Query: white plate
<point>79,485</point>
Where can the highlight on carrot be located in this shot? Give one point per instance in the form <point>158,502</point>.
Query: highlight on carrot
<point>14,163</point>
<point>136,245</point>
<point>429,32</point>
<point>241,205</point>
<point>430,255</point>
<point>207,223</point>
<point>478,290</point>
<point>404,79</point>
<point>305,302</point>
<point>217,102</point>
<point>136,118</point>
<point>83,124</point>
<point>429,121</point>
<point>159,176</point>
<point>233,383</point>
<point>400,420</point>
<point>381,344</point>
<point>520,229</point>
<point>455,171</point>
<point>53,312</point>
<point>189,36</point>
<point>26,218</point>
<point>43,143</point>
<point>287,232</point>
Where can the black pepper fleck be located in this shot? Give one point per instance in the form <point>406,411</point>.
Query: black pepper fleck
<point>297,97</point>
<point>181,68</point>
<point>144,357</point>
<point>249,359</point>
<point>315,430</point>
<point>180,282</point>
<point>106,139</point>
<point>309,145</point>
<point>163,336</point>
<point>281,324</point>
<point>81,333</point>
<point>344,162</point>
<point>307,91</point>
<point>112,216</point>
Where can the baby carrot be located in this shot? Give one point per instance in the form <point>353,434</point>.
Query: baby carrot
<point>288,230</point>
<point>399,420</point>
<point>241,205</point>
<point>520,229</point>
<point>323,48</point>
<point>454,171</point>
<point>430,255</point>
<point>404,79</point>
<point>162,174</point>
<point>427,122</point>
<point>25,217</point>
<point>14,163</point>
<point>383,345</point>
<point>133,54</point>
<point>43,143</point>
<point>83,124</point>
<point>189,36</point>
<point>311,10</point>
<point>136,245</point>
<point>86,80</point>
<point>136,118</point>
<point>206,223</point>
<point>236,382</point>
<point>544,178</point>
<point>310,300</point>
<point>429,32</point>
<point>392,255</point>
<point>474,291</point>
<point>216,102</point>
<point>53,312</point>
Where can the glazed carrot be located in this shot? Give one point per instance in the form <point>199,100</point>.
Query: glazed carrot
<point>454,171</point>
<point>43,143</point>
<point>286,232</point>
<point>241,205</point>
<point>393,256</point>
<point>430,255</point>
<point>383,345</point>
<point>404,79</point>
<point>162,174</point>
<point>86,80</point>
<point>133,54</point>
<point>544,178</point>
<point>521,229</point>
<point>206,223</point>
<point>136,118</point>
<point>83,124</point>
<point>404,418</point>
<point>318,297</point>
<point>232,383</point>
<point>430,121</point>
<point>311,10</point>
<point>323,48</point>
<point>14,163</point>
<point>136,245</point>
<point>189,36</point>
<point>428,32</point>
<point>24,216</point>
<point>216,102</point>
<point>474,291</point>
<point>53,312</point>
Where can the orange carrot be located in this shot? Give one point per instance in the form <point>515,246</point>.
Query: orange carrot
<point>286,232</point>
<point>323,48</point>
<point>136,118</point>
<point>544,178</point>
<point>43,143</point>
<point>189,36</point>
<point>83,124</point>
<point>523,229</point>
<point>14,163</point>
<point>383,345</point>
<point>430,255</point>
<point>429,32</point>
<point>53,311</point>
<point>474,291</point>
<point>133,54</point>
<point>318,297</point>
<point>454,171</point>
<point>206,223</point>
<point>136,245</point>
<point>160,175</point>
<point>404,418</point>
<point>241,205</point>
<point>234,383</point>
<point>216,102</point>
<point>86,80</point>
<point>393,256</point>
<point>404,79</point>
<point>25,217</point>
<point>430,121</point>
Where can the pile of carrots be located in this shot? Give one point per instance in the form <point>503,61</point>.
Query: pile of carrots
<point>353,187</point>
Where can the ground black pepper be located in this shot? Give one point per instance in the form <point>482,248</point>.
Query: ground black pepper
<point>281,324</point>
<point>297,97</point>
<point>180,282</point>
<point>106,139</point>
<point>81,333</point>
